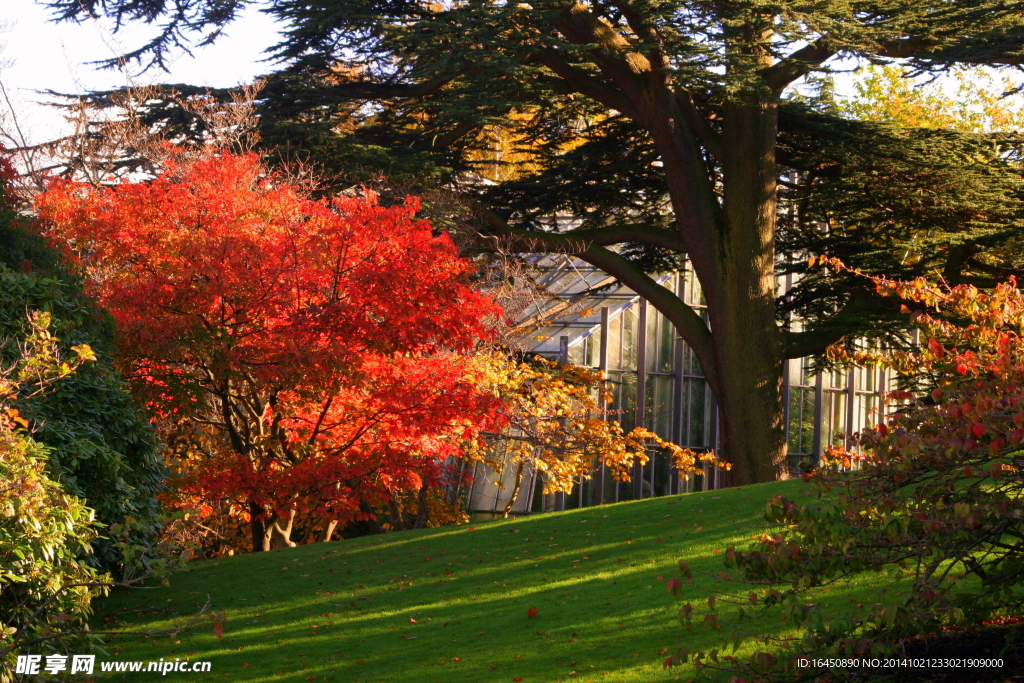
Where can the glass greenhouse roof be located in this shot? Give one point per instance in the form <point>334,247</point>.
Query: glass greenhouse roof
<point>575,293</point>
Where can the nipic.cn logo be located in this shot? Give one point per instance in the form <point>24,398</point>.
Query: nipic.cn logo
<point>86,664</point>
<point>55,664</point>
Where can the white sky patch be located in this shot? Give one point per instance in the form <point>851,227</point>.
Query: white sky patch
<point>39,55</point>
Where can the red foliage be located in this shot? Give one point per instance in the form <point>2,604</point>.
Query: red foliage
<point>323,338</point>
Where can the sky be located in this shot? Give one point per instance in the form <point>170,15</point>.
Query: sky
<point>37,54</point>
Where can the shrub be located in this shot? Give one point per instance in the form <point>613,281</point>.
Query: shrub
<point>45,587</point>
<point>934,497</point>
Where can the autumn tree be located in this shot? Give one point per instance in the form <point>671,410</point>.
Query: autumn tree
<point>321,339</point>
<point>975,99</point>
<point>685,146</point>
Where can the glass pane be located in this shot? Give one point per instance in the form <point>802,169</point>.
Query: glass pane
<point>836,379</point>
<point>694,412</point>
<point>801,420</point>
<point>629,338</point>
<point>808,372</point>
<point>833,427</point>
<point>694,292</point>
<point>658,474</point>
<point>615,386</point>
<point>867,379</point>
<point>615,342</point>
<point>650,402</point>
<point>690,364</point>
<point>652,338</point>
<point>663,406</point>
<point>576,353</point>
<point>866,411</point>
<point>594,349</point>
<point>666,344</point>
<point>627,402</point>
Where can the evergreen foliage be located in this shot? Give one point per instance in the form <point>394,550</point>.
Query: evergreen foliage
<point>667,127</point>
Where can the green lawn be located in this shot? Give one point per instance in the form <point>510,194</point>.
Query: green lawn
<point>450,604</point>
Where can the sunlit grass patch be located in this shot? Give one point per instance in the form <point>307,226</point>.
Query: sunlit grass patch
<point>451,604</point>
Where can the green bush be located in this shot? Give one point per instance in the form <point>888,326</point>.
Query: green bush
<point>45,586</point>
<point>101,446</point>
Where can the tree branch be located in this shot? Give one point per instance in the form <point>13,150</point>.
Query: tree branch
<point>582,82</point>
<point>633,232</point>
<point>708,137</point>
<point>797,65</point>
<point>690,326</point>
<point>387,91</point>
<point>831,330</point>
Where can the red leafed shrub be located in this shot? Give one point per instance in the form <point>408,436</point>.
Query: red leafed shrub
<point>935,496</point>
<point>323,341</point>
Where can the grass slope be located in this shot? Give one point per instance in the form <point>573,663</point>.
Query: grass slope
<point>450,604</point>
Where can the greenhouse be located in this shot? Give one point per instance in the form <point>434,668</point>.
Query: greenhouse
<point>656,381</point>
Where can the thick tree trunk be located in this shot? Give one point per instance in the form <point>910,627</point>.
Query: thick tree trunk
<point>748,344</point>
<point>751,428</point>
<point>734,259</point>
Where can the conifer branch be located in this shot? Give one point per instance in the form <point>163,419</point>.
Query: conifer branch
<point>690,326</point>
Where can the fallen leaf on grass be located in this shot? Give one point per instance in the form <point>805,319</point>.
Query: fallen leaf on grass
<point>532,612</point>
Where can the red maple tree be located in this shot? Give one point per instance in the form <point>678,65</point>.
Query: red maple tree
<point>322,339</point>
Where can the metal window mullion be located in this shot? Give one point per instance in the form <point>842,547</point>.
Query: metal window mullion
<point>563,358</point>
<point>819,401</point>
<point>677,395</point>
<point>641,393</point>
<point>602,365</point>
<point>851,393</point>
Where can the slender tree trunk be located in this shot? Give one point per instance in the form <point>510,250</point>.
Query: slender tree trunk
<point>515,490</point>
<point>258,528</point>
<point>327,532</point>
<point>280,535</point>
<point>421,512</point>
<point>371,521</point>
<point>395,515</point>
